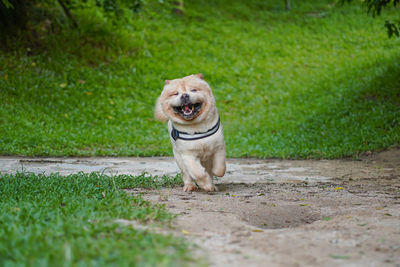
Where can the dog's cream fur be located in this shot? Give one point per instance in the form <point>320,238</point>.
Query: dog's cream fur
<point>199,160</point>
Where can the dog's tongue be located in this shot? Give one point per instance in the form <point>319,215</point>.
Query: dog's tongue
<point>187,109</point>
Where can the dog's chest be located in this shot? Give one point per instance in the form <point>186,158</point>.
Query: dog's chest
<point>202,148</point>
<point>206,147</point>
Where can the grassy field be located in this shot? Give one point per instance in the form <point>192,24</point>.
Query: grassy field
<point>320,81</point>
<point>70,221</point>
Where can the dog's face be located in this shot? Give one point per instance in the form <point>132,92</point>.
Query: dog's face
<point>185,100</point>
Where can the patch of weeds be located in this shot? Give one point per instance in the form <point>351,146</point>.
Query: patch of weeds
<point>148,181</point>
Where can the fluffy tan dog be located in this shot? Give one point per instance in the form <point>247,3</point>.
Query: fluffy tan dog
<point>195,130</point>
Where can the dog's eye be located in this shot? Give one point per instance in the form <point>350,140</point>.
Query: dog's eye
<point>193,90</point>
<point>175,94</point>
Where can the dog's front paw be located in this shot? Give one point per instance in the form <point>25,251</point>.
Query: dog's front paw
<point>189,188</point>
<point>209,188</point>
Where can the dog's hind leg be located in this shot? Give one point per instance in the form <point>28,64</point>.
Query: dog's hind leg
<point>218,163</point>
<point>208,165</point>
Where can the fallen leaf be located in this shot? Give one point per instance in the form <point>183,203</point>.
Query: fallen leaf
<point>185,232</point>
<point>303,205</point>
<point>88,93</point>
<point>63,85</point>
<point>339,257</point>
<point>388,214</point>
<point>257,231</point>
<point>338,188</point>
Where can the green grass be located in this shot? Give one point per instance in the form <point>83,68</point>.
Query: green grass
<point>70,221</point>
<point>320,81</point>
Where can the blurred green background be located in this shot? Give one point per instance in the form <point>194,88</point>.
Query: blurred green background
<point>319,81</point>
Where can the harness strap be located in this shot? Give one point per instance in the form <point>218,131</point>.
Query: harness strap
<point>175,134</point>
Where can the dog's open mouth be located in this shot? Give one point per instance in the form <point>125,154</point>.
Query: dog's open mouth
<point>188,111</point>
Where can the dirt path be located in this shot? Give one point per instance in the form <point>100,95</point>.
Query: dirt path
<point>273,212</point>
<point>346,213</point>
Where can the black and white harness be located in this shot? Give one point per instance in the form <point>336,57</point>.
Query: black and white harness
<point>175,134</point>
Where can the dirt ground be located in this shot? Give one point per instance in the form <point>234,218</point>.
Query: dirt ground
<point>272,212</point>
<point>350,219</point>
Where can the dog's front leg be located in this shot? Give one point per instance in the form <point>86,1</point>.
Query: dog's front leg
<point>198,172</point>
<point>189,185</point>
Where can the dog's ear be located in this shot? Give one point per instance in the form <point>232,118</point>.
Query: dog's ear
<point>200,76</point>
<point>158,111</point>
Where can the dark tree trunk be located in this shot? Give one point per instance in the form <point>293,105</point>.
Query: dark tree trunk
<point>13,18</point>
<point>287,5</point>
<point>178,7</point>
<point>68,13</point>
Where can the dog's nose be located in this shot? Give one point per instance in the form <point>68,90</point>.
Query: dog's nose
<point>185,98</point>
